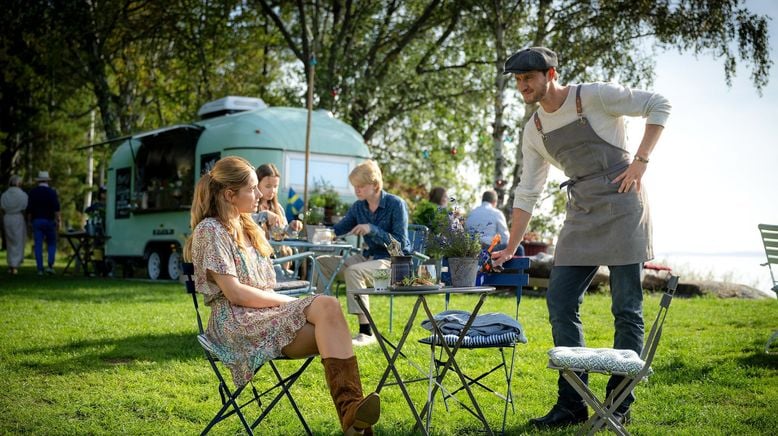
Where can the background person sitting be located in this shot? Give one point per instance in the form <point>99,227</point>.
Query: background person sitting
<point>249,322</point>
<point>439,196</point>
<point>378,217</point>
<point>270,215</point>
<point>274,217</point>
<point>487,221</point>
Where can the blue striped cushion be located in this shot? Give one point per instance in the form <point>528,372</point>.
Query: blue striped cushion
<point>508,339</point>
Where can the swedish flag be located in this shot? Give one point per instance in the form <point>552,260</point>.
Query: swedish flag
<point>294,205</point>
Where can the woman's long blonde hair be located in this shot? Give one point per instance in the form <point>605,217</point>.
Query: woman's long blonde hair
<point>229,173</point>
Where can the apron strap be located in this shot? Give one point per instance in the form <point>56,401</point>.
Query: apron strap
<point>579,105</point>
<point>539,126</point>
<point>569,183</point>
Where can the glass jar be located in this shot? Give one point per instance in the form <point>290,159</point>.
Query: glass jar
<point>323,236</point>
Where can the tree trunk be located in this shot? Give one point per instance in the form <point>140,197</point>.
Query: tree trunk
<point>498,131</point>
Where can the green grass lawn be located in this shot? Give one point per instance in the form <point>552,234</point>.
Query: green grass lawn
<point>109,356</point>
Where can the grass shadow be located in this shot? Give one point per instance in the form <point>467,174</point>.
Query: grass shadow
<point>95,290</point>
<point>89,355</point>
<point>673,371</point>
<point>759,359</point>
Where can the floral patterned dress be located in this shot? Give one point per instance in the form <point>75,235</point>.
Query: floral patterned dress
<point>244,338</point>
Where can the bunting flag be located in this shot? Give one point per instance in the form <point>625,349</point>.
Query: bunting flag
<point>294,205</point>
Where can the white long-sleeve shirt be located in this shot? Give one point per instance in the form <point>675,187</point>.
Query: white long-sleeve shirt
<point>604,105</point>
<point>488,221</point>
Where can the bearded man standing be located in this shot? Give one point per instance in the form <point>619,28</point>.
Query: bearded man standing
<point>579,128</point>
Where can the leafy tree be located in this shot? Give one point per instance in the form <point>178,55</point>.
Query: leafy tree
<point>614,40</point>
<point>383,67</point>
<point>421,80</point>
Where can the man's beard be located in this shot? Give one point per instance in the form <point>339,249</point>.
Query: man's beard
<point>535,96</point>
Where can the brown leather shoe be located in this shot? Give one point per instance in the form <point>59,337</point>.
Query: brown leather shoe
<point>560,416</point>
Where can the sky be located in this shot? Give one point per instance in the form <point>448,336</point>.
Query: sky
<point>713,177</point>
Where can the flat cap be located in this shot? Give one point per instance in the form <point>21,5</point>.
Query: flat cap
<point>530,59</point>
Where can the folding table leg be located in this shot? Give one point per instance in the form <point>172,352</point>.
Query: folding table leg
<point>451,362</point>
<point>393,358</point>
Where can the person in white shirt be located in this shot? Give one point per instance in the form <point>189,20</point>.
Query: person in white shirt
<point>14,202</point>
<point>487,221</point>
<point>580,129</point>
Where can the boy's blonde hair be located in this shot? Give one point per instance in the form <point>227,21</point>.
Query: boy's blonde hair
<point>367,173</point>
<point>229,173</point>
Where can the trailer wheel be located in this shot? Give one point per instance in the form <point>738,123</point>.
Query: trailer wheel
<point>174,265</point>
<point>154,265</point>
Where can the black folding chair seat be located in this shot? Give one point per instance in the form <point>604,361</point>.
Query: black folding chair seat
<point>288,284</point>
<point>231,398</point>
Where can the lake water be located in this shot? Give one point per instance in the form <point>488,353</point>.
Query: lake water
<point>743,268</point>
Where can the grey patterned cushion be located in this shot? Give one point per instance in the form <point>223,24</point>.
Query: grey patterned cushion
<point>607,360</point>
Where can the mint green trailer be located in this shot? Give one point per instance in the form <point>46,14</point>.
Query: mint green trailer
<point>152,175</point>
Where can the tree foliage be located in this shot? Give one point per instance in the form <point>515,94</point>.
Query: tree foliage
<point>421,80</point>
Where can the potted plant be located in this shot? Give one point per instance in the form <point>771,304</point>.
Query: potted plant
<point>312,218</point>
<point>340,211</point>
<point>381,279</point>
<point>325,197</point>
<point>437,221</point>
<point>461,248</point>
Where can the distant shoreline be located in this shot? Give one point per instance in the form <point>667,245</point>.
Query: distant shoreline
<point>717,254</point>
<point>742,267</point>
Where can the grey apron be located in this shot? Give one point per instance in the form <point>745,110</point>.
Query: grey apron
<point>602,226</point>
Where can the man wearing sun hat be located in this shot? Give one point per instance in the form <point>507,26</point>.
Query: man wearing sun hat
<point>43,211</point>
<point>579,128</point>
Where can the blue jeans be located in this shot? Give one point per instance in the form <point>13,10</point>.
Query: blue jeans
<point>44,229</point>
<point>564,297</point>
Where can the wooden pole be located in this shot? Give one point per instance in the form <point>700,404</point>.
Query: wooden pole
<point>90,164</point>
<point>312,65</point>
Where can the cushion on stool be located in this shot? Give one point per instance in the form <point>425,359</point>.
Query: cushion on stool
<point>607,360</point>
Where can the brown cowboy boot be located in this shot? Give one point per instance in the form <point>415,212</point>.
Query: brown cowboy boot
<point>356,413</point>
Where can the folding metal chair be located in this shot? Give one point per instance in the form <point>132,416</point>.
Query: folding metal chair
<point>770,241</point>
<point>626,363</point>
<point>287,283</point>
<point>230,398</point>
<point>511,277</point>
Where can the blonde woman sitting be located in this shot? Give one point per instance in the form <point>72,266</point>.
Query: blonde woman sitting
<point>250,323</point>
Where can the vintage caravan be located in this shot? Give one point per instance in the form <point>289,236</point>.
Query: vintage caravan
<point>151,176</point>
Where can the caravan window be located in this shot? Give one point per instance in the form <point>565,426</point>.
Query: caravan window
<point>332,169</point>
<point>164,164</point>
